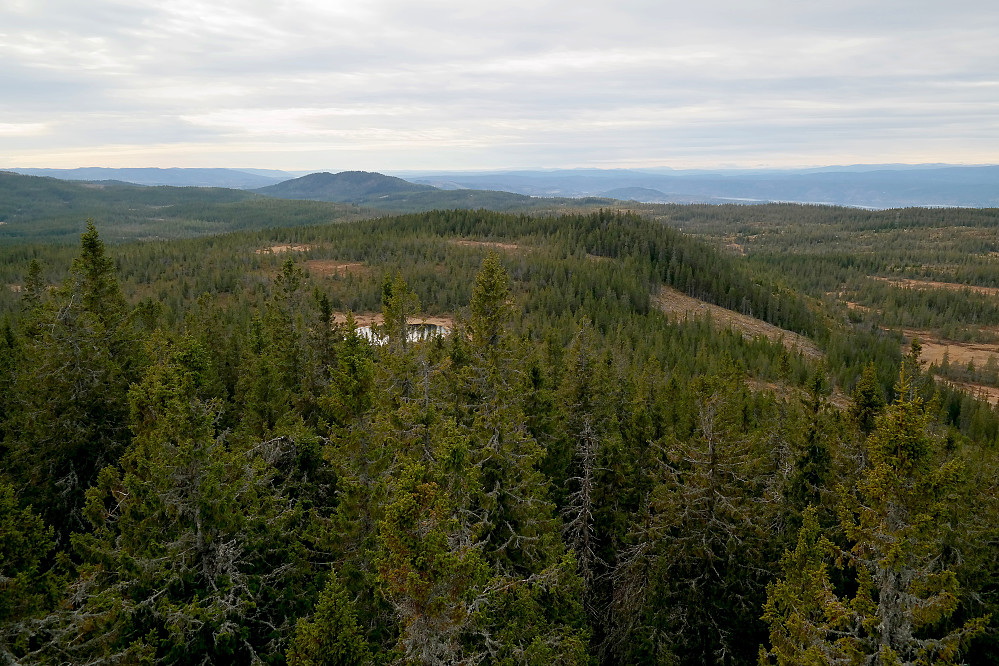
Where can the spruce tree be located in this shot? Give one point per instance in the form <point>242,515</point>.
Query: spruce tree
<point>332,635</point>
<point>898,524</point>
<point>28,583</point>
<point>193,555</point>
<point>71,416</point>
<point>688,588</point>
<point>868,400</point>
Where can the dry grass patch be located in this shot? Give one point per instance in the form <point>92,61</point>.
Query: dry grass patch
<point>934,349</point>
<point>280,249</point>
<point>730,244</point>
<point>907,283</point>
<point>677,304</point>
<point>850,305</point>
<point>327,267</point>
<point>506,247</point>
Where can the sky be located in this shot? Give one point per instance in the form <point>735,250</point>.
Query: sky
<point>391,85</point>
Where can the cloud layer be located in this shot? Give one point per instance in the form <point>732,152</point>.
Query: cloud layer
<point>392,85</point>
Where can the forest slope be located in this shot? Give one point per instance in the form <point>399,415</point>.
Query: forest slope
<point>677,304</point>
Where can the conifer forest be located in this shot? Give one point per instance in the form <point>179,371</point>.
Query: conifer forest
<point>242,447</point>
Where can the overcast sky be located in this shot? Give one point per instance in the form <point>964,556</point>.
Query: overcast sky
<point>461,84</point>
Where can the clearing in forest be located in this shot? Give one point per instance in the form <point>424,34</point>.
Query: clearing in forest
<point>934,349</point>
<point>731,244</point>
<point>787,392</point>
<point>990,394</point>
<point>328,267</point>
<point>677,304</point>
<point>280,249</point>
<point>465,242</point>
<point>908,283</point>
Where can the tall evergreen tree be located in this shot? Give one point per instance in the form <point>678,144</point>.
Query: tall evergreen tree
<point>897,523</point>
<point>521,527</point>
<point>10,360</point>
<point>868,401</point>
<point>689,587</point>
<point>332,635</point>
<point>802,609</point>
<point>193,554</point>
<point>72,415</point>
<point>811,477</point>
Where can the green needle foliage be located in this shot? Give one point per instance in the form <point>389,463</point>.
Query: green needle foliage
<point>899,522</point>
<point>332,635</point>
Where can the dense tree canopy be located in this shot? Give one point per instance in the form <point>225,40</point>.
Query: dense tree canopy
<point>206,461</point>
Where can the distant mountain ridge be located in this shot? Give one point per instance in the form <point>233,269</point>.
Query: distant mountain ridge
<point>175,177</point>
<point>865,186</point>
<point>890,186</point>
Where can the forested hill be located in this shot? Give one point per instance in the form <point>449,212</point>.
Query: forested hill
<point>34,198</point>
<point>204,461</point>
<point>347,186</point>
<point>394,194</point>
<point>35,208</point>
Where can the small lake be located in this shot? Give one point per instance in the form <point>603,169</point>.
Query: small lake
<point>416,333</point>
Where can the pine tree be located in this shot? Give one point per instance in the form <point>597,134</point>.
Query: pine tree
<point>399,304</point>
<point>348,395</point>
<point>689,585</point>
<point>10,360</point>
<point>521,528</point>
<point>34,286</point>
<point>898,523</point>
<point>430,567</point>
<point>490,306</point>
<point>811,477</point>
<point>802,609</point>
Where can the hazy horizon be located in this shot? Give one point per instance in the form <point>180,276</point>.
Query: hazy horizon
<point>539,169</point>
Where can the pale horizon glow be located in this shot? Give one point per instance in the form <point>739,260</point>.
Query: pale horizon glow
<point>395,86</point>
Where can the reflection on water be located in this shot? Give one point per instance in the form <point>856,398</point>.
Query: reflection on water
<point>416,333</point>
